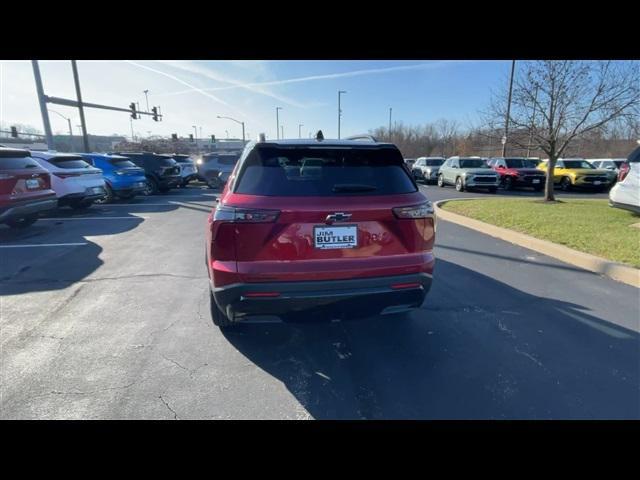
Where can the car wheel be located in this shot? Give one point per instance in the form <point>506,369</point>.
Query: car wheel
<point>151,187</point>
<point>108,197</point>
<point>508,183</point>
<point>22,222</point>
<point>565,184</point>
<point>219,319</point>
<point>459,185</point>
<point>440,181</point>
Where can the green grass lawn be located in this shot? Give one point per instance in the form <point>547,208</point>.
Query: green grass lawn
<point>590,226</point>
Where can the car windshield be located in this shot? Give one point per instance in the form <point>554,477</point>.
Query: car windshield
<point>274,171</point>
<point>434,163</point>
<point>68,162</point>
<point>577,164</point>
<point>121,163</point>
<point>520,163</point>
<point>473,163</point>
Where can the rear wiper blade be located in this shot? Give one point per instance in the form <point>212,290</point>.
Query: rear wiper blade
<point>353,187</point>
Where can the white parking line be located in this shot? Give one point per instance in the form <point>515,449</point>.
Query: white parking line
<point>78,244</point>
<point>91,218</point>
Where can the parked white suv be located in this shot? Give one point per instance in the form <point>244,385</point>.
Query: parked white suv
<point>77,184</point>
<point>626,193</point>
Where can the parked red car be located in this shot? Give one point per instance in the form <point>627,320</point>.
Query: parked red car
<point>323,226</point>
<point>25,188</point>
<point>518,172</point>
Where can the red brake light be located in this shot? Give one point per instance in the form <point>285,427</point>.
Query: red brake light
<point>262,294</point>
<point>398,286</point>
<point>624,170</point>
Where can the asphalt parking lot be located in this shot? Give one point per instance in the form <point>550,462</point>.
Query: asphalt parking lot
<point>105,315</point>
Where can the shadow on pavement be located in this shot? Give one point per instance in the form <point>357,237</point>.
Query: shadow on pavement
<point>56,267</point>
<point>489,352</point>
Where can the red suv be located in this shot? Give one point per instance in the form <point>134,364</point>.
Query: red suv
<point>518,172</point>
<point>319,226</point>
<point>25,188</point>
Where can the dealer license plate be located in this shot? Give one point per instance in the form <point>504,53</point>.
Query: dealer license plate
<point>342,236</point>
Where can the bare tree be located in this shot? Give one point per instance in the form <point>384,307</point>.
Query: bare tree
<point>557,102</point>
<point>448,133</point>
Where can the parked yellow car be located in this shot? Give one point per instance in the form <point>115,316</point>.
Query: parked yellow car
<point>576,172</point>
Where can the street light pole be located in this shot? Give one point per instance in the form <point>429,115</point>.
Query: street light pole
<point>43,105</point>
<point>506,124</point>
<point>282,131</point>
<point>340,92</point>
<point>237,121</point>
<point>390,110</point>
<point>70,130</point>
<point>300,125</point>
<point>85,138</point>
<point>147,97</point>
<point>195,129</point>
<point>278,122</point>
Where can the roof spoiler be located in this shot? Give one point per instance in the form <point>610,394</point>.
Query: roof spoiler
<point>366,137</point>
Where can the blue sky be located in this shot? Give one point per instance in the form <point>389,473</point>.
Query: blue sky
<point>195,92</point>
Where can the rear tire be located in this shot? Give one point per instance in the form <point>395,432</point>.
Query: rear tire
<point>440,181</point>
<point>459,185</point>
<point>565,184</point>
<point>219,319</point>
<point>22,222</point>
<point>108,197</point>
<point>151,188</point>
<point>508,183</point>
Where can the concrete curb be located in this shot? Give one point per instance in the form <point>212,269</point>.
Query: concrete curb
<point>616,271</point>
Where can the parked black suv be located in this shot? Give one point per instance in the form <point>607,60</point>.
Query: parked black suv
<point>162,171</point>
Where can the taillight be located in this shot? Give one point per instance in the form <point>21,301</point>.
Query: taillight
<point>624,170</point>
<point>225,213</point>
<point>423,210</point>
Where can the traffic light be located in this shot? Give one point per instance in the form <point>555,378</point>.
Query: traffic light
<point>174,136</point>
<point>14,132</point>
<point>155,113</point>
<point>134,114</point>
<point>191,137</point>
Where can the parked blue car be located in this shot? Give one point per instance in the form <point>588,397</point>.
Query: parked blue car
<point>122,177</point>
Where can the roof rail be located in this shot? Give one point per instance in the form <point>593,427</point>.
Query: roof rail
<point>370,138</point>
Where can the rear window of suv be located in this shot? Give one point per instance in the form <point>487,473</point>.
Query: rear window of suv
<point>278,171</point>
<point>17,163</point>
<point>68,162</point>
<point>122,163</point>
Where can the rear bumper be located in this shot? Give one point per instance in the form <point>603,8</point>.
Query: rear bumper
<point>25,208</point>
<point>625,206</point>
<point>80,197</point>
<point>361,297</point>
